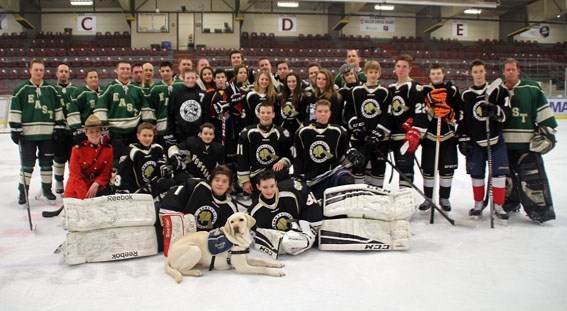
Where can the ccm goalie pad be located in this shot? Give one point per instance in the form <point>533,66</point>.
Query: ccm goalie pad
<point>175,225</point>
<point>356,234</point>
<point>119,210</point>
<point>295,241</point>
<point>367,201</point>
<point>109,244</point>
<point>535,194</point>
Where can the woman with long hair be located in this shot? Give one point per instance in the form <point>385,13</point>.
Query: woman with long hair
<point>325,89</point>
<point>264,91</point>
<point>293,102</point>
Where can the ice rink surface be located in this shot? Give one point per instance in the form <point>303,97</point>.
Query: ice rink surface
<point>518,267</point>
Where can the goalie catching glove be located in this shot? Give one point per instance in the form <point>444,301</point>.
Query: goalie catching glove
<point>298,239</point>
<point>543,140</point>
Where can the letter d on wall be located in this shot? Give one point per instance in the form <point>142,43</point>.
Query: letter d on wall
<point>287,23</point>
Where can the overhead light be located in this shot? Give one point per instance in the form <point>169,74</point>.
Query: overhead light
<point>81,2</point>
<point>288,4</point>
<point>473,11</point>
<point>476,4</point>
<point>384,7</point>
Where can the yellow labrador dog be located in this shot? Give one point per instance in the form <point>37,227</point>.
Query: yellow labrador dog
<point>223,251</point>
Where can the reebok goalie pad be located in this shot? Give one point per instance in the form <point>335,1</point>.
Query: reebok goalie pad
<point>119,210</point>
<point>109,244</point>
<point>355,234</point>
<point>175,225</point>
<point>367,201</point>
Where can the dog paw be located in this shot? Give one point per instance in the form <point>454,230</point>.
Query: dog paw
<point>279,273</point>
<point>278,264</point>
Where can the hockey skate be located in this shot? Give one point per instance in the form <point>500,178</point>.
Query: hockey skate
<point>424,207</point>
<point>22,198</point>
<point>500,213</point>
<point>46,195</point>
<point>476,211</point>
<point>445,204</point>
<point>59,187</point>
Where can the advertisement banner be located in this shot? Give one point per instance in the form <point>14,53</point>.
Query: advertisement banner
<point>377,24</point>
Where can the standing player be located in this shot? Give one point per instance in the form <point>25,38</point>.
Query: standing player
<point>287,215</point>
<point>293,104</point>
<point>138,75</point>
<point>529,133</point>
<point>352,59</point>
<point>64,143</point>
<point>159,99</point>
<point>325,89</point>
<point>362,114</point>
<point>264,91</point>
<point>474,140</point>
<point>83,104</point>
<point>405,102</point>
<point>35,115</point>
<point>149,82</point>
<point>442,100</point>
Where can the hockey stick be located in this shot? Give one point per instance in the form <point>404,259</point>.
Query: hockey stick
<point>54,213</point>
<point>494,85</point>
<point>23,174</point>
<point>436,170</point>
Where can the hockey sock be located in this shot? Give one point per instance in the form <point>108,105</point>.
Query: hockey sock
<point>478,189</point>
<point>499,189</point>
<point>58,170</point>
<point>445,186</point>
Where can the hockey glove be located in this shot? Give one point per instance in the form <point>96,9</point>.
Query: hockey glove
<point>235,99</point>
<point>79,136</point>
<point>16,134</point>
<point>492,111</point>
<point>176,162</point>
<point>412,137</point>
<point>299,239</point>
<point>221,107</point>
<point>442,110</point>
<point>358,129</point>
<point>170,140</point>
<point>105,138</point>
<point>543,140</point>
<point>465,145</point>
<point>408,124</point>
<point>436,96</point>
<point>58,135</point>
<point>356,158</point>
<point>372,141</point>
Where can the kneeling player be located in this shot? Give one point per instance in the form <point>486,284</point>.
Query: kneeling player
<point>287,215</point>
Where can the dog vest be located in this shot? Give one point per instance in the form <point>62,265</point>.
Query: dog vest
<point>219,243</point>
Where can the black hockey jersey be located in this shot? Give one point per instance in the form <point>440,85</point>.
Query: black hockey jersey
<point>292,202</point>
<point>428,120</point>
<point>472,123</point>
<point>196,197</point>
<point>319,149</point>
<point>186,111</point>
<point>367,105</point>
<point>140,168</point>
<point>291,117</point>
<point>260,147</point>
<point>404,102</point>
<point>200,159</point>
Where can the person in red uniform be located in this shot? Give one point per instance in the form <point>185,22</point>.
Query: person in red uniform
<point>90,166</point>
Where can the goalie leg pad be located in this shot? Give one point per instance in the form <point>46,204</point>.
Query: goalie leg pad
<point>535,192</point>
<point>119,210</point>
<point>110,244</point>
<point>293,242</point>
<point>268,241</point>
<point>354,234</point>
<point>367,201</point>
<point>175,225</point>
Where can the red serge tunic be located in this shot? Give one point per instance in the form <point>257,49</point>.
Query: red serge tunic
<point>89,163</point>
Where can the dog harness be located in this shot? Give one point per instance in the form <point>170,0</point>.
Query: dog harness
<point>218,243</point>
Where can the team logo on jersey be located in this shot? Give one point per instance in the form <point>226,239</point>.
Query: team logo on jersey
<point>190,110</point>
<point>281,221</point>
<point>477,111</point>
<point>266,154</point>
<point>370,108</point>
<point>399,106</point>
<point>148,170</point>
<point>320,152</point>
<point>297,185</point>
<point>288,111</point>
<point>205,217</point>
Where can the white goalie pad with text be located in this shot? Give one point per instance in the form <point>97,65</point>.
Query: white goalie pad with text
<point>175,226</point>
<point>112,211</point>
<point>367,201</point>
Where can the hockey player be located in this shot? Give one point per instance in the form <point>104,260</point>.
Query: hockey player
<point>184,64</point>
<point>208,200</point>
<point>325,89</point>
<point>293,104</point>
<point>264,91</point>
<point>197,156</point>
<point>83,104</point>
<point>64,142</point>
<point>352,59</point>
<point>159,99</point>
<point>321,149</point>
<point>264,64</point>
<point>443,101</point>
<point>202,63</point>
<point>205,80</point>
<point>122,106</point>
<point>283,68</point>
<point>143,165</point>
<point>529,133</point>
<point>362,113</point>
<point>90,165</point>
<point>405,102</point>
<point>479,111</point>
<point>263,146</point>
<point>186,110</point>
<point>138,75</point>
<point>287,215</point>
<point>149,82</point>
<point>35,116</point>
<point>236,58</point>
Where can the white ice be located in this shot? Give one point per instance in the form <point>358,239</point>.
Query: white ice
<point>518,267</point>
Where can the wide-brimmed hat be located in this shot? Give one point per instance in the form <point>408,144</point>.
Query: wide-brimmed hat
<point>93,121</point>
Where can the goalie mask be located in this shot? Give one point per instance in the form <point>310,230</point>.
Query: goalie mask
<point>543,140</point>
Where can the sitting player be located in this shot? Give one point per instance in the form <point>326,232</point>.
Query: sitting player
<point>209,201</point>
<point>287,215</point>
<point>143,165</point>
<point>90,165</point>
